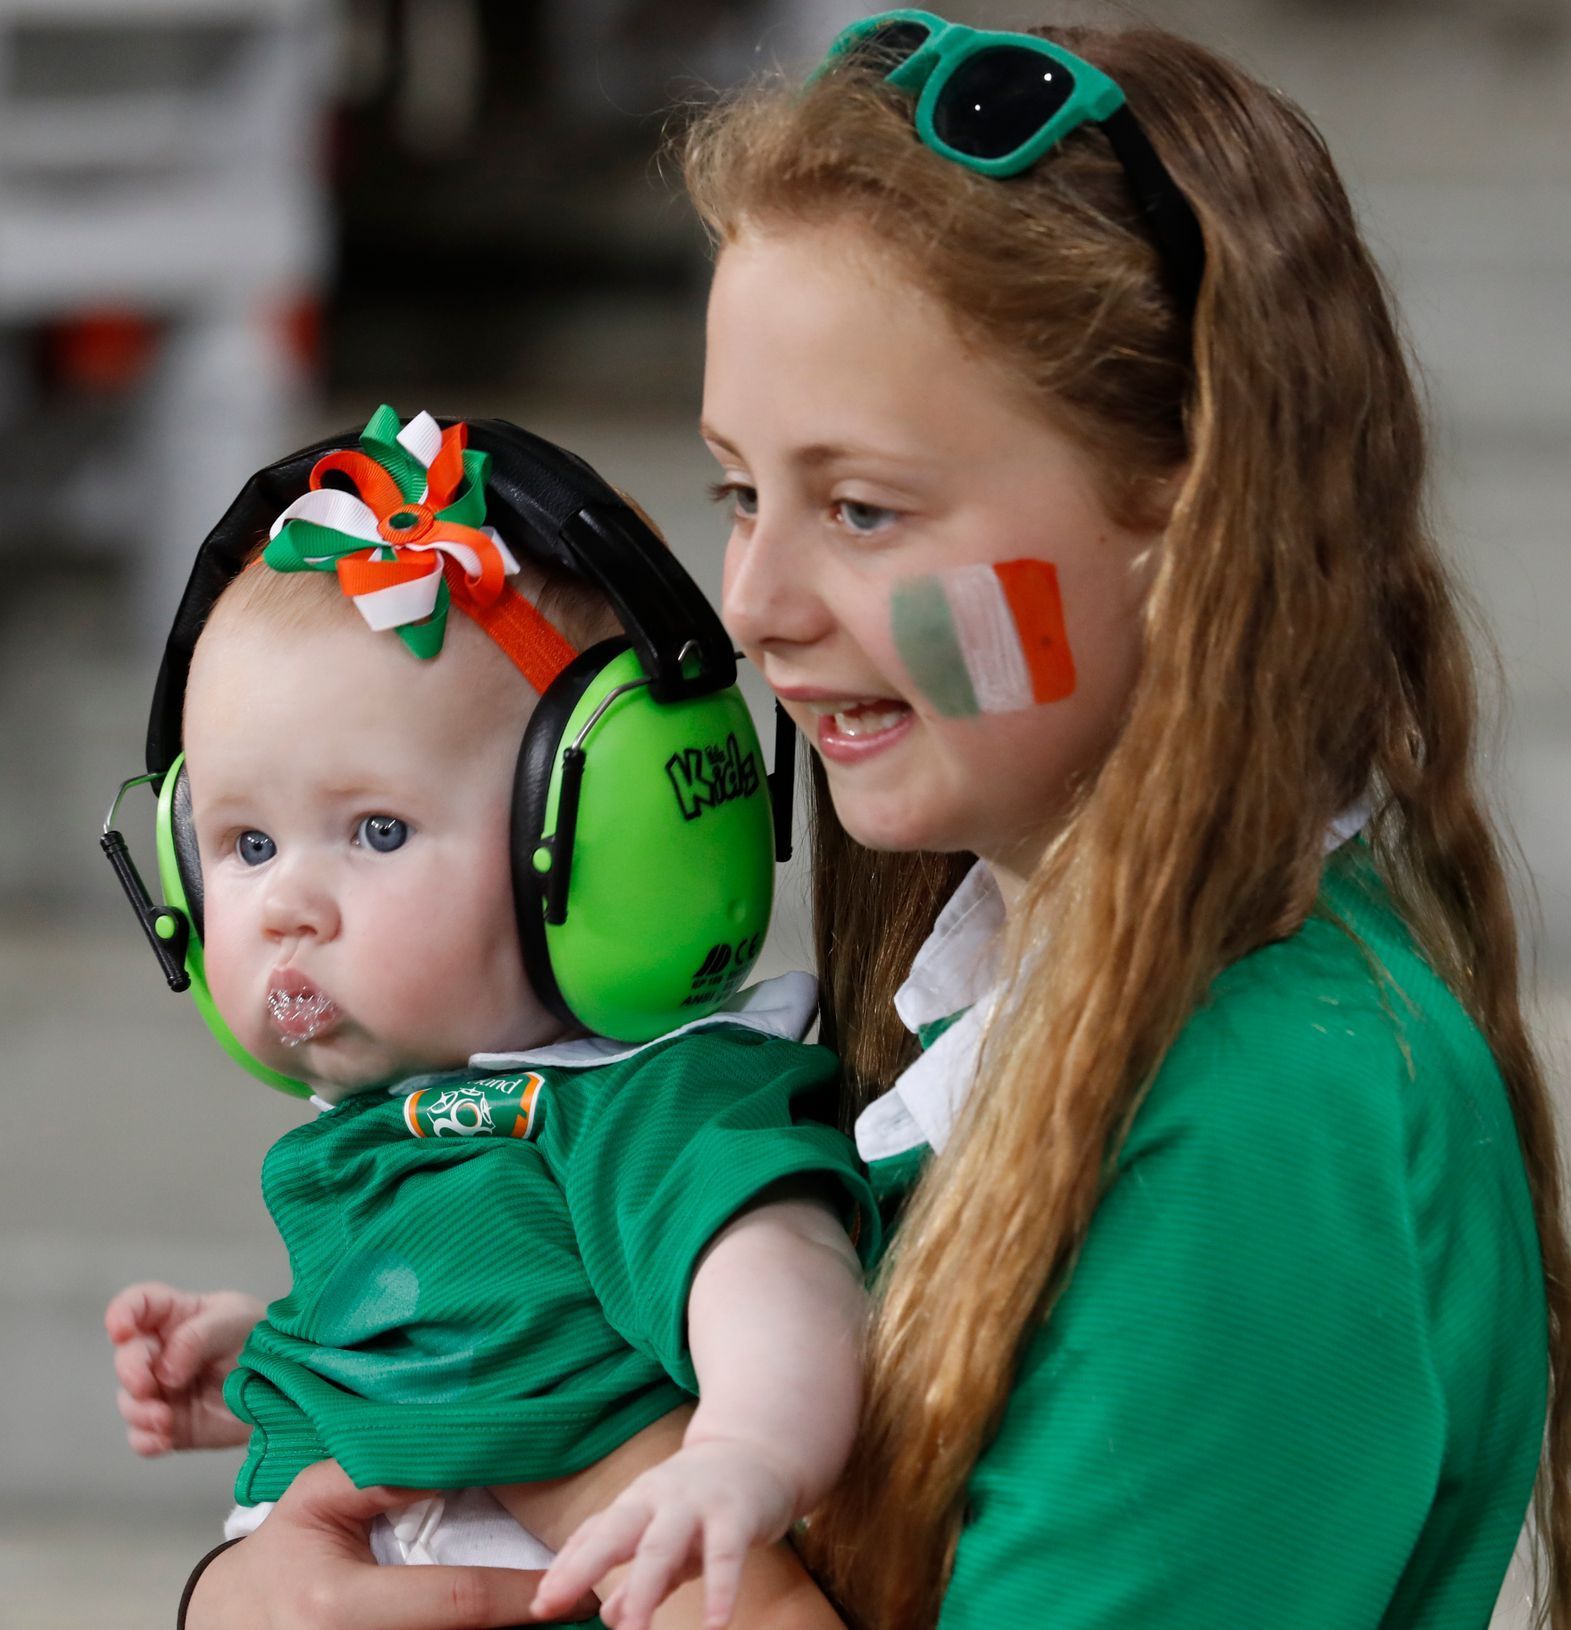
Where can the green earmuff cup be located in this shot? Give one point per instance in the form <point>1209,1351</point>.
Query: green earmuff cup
<point>177,856</point>
<point>672,853</point>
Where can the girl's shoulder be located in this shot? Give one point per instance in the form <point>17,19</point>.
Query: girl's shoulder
<point>1338,1059</point>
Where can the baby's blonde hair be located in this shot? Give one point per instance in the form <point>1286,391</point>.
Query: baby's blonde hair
<point>291,602</point>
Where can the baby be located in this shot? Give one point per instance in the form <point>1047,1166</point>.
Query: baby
<point>516,1249</point>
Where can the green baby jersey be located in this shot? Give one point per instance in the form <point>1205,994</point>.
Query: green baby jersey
<point>491,1272</point>
<point>1298,1376</point>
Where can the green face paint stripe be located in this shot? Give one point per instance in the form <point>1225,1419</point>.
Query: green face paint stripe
<point>924,634</point>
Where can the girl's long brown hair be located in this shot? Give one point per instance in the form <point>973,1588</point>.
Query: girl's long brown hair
<point>1302,648</point>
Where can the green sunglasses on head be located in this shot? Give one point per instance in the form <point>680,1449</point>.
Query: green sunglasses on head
<point>995,102</point>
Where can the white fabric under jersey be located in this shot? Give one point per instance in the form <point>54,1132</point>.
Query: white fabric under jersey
<point>466,1528</point>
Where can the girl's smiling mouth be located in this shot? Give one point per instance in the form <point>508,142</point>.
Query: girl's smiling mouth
<point>852,731</point>
<point>300,1010</point>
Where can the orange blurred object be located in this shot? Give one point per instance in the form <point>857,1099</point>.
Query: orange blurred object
<point>101,350</point>
<point>301,328</point>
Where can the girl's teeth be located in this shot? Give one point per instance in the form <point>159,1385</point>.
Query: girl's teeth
<point>868,721</point>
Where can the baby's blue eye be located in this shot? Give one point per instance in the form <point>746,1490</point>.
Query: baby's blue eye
<point>254,847</point>
<point>384,833</point>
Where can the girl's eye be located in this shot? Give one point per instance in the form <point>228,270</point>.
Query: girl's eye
<point>384,833</point>
<point>864,518</point>
<point>742,498</point>
<point>255,847</point>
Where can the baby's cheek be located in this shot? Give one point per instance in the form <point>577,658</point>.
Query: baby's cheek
<point>417,991</point>
<point>225,973</point>
<point>440,991</point>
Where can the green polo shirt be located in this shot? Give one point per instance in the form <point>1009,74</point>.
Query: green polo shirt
<point>490,1274</point>
<point>1298,1376</point>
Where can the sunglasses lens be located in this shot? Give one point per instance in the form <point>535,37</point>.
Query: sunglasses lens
<point>996,101</point>
<point>884,48</point>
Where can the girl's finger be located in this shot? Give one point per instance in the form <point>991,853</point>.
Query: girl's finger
<point>322,1496</point>
<point>452,1599</point>
<point>367,1597</point>
<point>664,1559</point>
<point>594,1548</point>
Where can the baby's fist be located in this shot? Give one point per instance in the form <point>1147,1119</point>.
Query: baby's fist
<point>172,1350</point>
<point>698,1512</point>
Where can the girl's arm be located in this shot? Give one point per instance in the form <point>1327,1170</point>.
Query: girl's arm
<point>775,1320</point>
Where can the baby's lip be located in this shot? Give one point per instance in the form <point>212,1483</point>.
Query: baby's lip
<point>300,1010</point>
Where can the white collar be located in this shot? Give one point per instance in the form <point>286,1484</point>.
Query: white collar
<point>783,1007</point>
<point>957,968</point>
<point>958,962</point>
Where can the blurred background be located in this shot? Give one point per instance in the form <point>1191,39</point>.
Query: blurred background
<point>230,226</point>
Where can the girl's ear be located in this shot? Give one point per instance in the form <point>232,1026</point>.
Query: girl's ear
<point>1166,493</point>
<point>1150,500</point>
<point>1143,569</point>
<point>1157,516</point>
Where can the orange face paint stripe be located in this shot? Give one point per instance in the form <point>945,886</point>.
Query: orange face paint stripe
<point>1031,590</point>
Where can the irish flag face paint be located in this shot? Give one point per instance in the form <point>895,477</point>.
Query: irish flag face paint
<point>985,639</point>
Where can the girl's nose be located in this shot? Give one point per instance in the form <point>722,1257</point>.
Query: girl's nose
<point>772,592</point>
<point>299,903</point>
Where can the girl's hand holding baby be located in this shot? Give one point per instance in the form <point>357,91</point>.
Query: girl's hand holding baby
<point>172,1350</point>
<point>309,1567</point>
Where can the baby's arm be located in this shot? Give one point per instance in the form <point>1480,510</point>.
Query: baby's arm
<point>775,1319</point>
<point>172,1350</point>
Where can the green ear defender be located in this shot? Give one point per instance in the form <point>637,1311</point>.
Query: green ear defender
<point>643,859</point>
<point>644,828</point>
<point>180,878</point>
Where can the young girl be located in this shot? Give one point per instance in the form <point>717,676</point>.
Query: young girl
<point>1239,1175</point>
<point>1077,477</point>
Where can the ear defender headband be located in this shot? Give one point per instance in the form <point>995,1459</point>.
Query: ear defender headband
<point>644,830</point>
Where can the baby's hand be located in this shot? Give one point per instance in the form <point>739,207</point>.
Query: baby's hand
<point>697,1512</point>
<point>172,1352</point>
